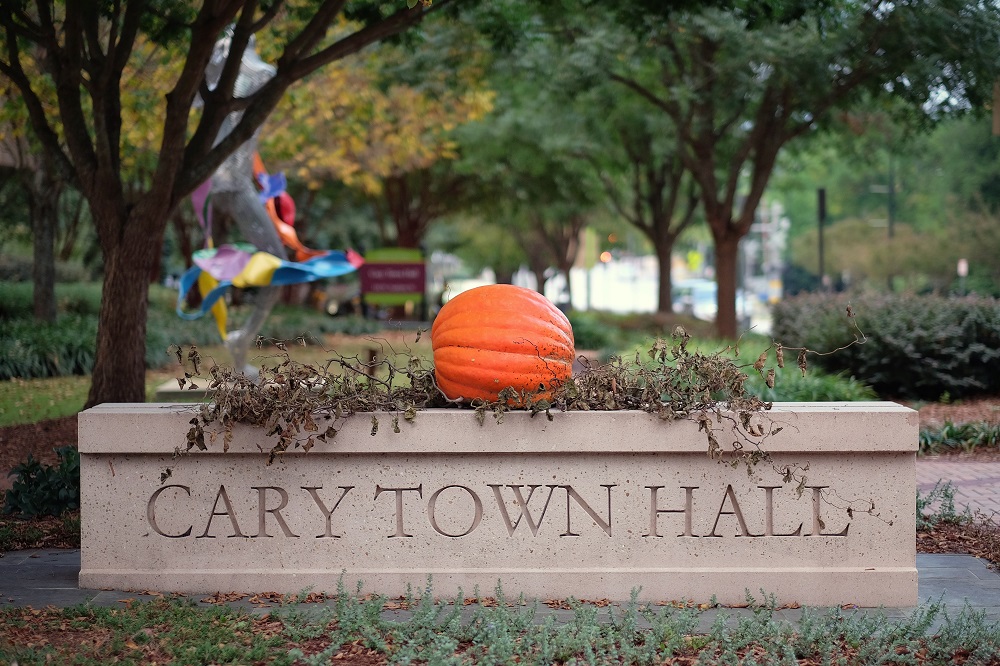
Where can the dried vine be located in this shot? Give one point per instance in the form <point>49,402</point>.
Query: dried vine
<point>301,404</point>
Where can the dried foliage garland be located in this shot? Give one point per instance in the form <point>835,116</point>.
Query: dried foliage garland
<point>300,404</point>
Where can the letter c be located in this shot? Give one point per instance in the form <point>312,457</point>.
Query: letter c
<point>151,513</point>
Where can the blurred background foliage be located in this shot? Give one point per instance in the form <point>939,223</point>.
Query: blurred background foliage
<point>499,133</point>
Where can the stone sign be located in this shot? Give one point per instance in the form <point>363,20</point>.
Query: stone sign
<point>590,504</point>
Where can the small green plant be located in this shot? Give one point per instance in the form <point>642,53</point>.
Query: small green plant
<point>45,490</point>
<point>817,386</point>
<point>938,506</point>
<point>354,628</point>
<point>963,437</point>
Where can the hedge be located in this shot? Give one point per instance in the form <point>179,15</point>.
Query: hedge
<point>915,347</point>
<point>32,349</point>
<point>29,349</point>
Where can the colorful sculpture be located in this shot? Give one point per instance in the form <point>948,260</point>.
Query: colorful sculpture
<point>233,190</point>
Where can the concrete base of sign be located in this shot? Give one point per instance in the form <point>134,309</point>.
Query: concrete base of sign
<point>590,505</point>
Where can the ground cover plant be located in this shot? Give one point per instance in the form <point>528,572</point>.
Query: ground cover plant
<point>45,490</point>
<point>355,628</point>
<point>959,437</point>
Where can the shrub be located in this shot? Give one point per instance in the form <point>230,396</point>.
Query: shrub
<point>82,298</point>
<point>45,490</point>
<point>816,386</point>
<point>15,300</point>
<point>590,333</point>
<point>917,346</point>
<point>20,269</point>
<point>31,349</point>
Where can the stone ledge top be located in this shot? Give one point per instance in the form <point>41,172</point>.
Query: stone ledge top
<point>814,427</point>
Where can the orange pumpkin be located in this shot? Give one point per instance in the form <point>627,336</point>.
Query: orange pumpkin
<point>499,336</point>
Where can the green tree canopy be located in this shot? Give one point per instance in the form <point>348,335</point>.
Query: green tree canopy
<point>738,88</point>
<point>87,49</point>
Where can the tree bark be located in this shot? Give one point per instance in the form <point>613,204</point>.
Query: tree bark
<point>44,198</point>
<point>726,254</point>
<point>182,230</point>
<point>665,296</point>
<point>120,364</point>
<point>71,230</point>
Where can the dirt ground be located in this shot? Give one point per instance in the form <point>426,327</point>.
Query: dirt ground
<point>36,439</point>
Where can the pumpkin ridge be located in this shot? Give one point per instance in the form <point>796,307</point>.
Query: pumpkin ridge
<point>453,388</point>
<point>499,341</point>
<point>494,358</point>
<point>513,321</point>
<point>494,337</point>
<point>523,372</point>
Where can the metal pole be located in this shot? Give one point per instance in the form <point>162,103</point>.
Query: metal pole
<point>821,192</point>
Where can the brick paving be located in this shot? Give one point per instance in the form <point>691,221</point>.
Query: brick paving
<point>977,483</point>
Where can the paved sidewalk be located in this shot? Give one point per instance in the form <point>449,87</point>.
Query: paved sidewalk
<point>977,484</point>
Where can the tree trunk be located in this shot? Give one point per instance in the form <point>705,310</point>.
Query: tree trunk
<point>71,230</point>
<point>44,197</point>
<point>665,296</point>
<point>726,253</point>
<point>539,279</point>
<point>569,289</point>
<point>182,230</point>
<point>120,365</point>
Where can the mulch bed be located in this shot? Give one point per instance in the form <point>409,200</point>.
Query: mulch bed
<point>38,440</point>
<point>980,538</point>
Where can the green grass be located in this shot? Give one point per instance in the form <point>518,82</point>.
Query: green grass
<point>31,400</point>
<point>28,401</point>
